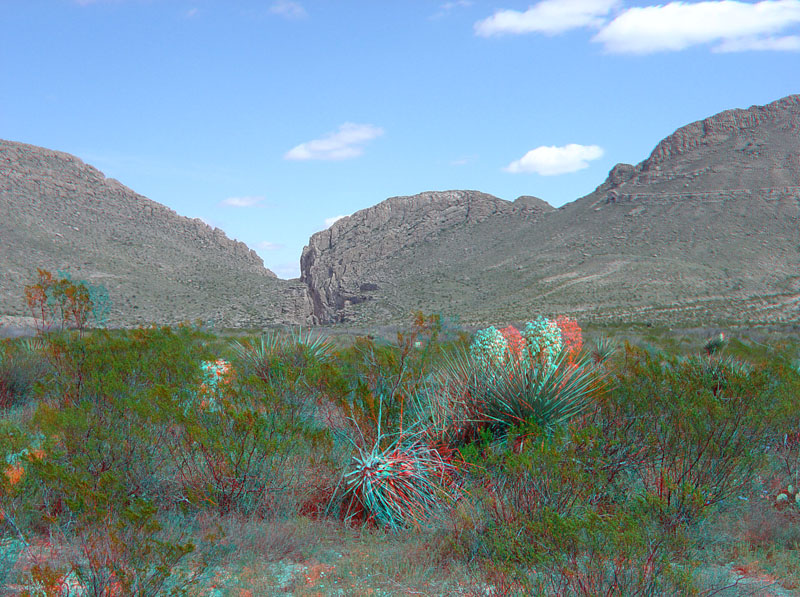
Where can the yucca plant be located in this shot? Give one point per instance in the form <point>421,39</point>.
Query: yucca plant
<point>259,353</point>
<point>465,396</point>
<point>717,373</point>
<point>448,405</point>
<point>319,348</point>
<point>545,395</point>
<point>397,484</point>
<point>604,349</point>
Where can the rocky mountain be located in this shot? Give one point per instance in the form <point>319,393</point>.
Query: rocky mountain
<point>707,228</point>
<point>347,264</point>
<point>58,213</point>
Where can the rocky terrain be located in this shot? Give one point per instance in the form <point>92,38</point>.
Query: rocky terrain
<point>705,230</point>
<point>58,213</point>
<point>347,264</point>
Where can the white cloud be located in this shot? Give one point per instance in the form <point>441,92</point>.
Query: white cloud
<point>242,201</point>
<point>547,16</point>
<point>733,25</point>
<point>463,161</point>
<point>552,160</point>
<point>268,246</point>
<point>330,221</point>
<point>448,7</point>
<point>347,142</point>
<point>191,13</point>
<point>288,9</point>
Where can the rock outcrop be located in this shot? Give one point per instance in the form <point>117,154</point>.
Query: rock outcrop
<point>757,149</point>
<point>345,264</point>
<point>56,212</point>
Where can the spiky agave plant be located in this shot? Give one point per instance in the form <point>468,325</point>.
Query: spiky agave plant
<point>258,354</point>
<point>449,406</point>
<point>399,484</point>
<point>319,347</point>
<point>546,394</point>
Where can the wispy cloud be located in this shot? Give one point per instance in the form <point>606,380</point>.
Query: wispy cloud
<point>288,9</point>
<point>249,201</point>
<point>448,7</point>
<point>347,142</point>
<point>788,43</point>
<point>268,246</point>
<point>191,13</point>
<point>547,16</point>
<point>552,160</point>
<point>734,26</point>
<point>331,221</point>
<point>463,161</point>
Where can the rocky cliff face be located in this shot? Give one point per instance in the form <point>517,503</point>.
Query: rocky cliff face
<point>56,212</point>
<point>345,264</point>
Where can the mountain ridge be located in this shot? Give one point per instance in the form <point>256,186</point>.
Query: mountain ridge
<point>706,228</point>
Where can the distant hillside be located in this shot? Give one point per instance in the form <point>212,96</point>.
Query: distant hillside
<point>58,213</point>
<point>706,229</point>
<point>351,262</point>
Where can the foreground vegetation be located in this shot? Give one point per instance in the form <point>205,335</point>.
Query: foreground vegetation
<point>171,461</point>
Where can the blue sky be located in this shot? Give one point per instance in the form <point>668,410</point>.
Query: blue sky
<point>270,118</point>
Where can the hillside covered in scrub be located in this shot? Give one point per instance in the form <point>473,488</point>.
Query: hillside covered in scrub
<point>706,229</point>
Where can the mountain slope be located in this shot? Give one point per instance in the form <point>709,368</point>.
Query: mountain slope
<point>58,213</point>
<point>705,229</point>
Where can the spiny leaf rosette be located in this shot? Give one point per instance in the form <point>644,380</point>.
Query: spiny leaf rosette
<point>509,377</point>
<point>400,485</point>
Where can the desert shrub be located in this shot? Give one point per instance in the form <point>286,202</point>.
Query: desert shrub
<point>245,454</point>
<point>582,552</point>
<point>620,554</point>
<point>22,364</point>
<point>105,402</point>
<point>700,434</point>
<point>125,553</point>
<point>542,471</point>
